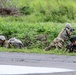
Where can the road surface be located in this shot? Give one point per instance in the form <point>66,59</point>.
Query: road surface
<point>40,60</point>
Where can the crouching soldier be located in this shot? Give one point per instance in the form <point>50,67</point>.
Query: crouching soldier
<point>16,43</point>
<point>72,45</point>
<point>2,40</point>
<point>64,35</point>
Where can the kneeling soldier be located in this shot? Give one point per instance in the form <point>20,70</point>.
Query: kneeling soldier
<point>63,36</point>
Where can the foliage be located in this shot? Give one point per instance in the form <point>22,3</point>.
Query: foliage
<point>44,10</point>
<point>46,17</point>
<point>37,50</point>
<point>28,32</point>
<point>26,10</point>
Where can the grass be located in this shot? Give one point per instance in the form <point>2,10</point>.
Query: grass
<point>45,10</point>
<point>38,51</point>
<point>21,28</point>
<point>44,17</point>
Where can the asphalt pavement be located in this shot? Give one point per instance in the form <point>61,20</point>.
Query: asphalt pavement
<point>40,60</point>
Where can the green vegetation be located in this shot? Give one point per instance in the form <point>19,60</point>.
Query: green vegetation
<point>31,30</point>
<point>37,17</point>
<point>45,10</point>
<point>22,29</point>
<point>38,51</point>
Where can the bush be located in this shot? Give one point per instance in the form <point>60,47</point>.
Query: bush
<point>44,10</point>
<point>26,10</point>
<point>33,35</point>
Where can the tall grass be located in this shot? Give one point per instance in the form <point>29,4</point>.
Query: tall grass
<point>46,10</point>
<point>39,17</point>
<point>23,29</point>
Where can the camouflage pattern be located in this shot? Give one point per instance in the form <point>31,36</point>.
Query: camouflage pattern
<point>64,35</point>
<point>2,37</point>
<point>2,40</point>
<point>16,43</point>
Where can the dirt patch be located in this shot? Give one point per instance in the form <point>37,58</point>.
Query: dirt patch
<point>9,11</point>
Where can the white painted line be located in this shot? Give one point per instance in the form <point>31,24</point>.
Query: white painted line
<point>11,69</point>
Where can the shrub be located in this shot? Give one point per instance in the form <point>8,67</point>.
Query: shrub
<point>26,10</point>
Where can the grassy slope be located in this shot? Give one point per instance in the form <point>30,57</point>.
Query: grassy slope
<point>23,28</point>
<point>34,24</point>
<point>47,10</point>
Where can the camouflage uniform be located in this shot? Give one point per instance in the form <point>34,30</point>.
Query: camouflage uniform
<point>2,40</point>
<point>64,35</point>
<point>14,42</point>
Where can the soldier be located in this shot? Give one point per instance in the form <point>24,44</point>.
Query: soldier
<point>64,35</point>
<point>2,40</point>
<point>14,42</point>
<point>71,46</point>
